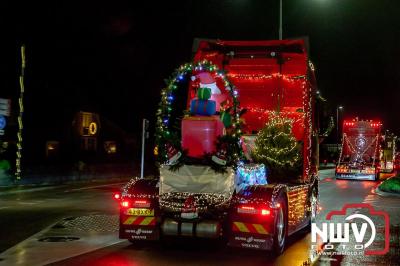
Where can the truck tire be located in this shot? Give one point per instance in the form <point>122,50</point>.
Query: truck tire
<point>280,224</point>
<point>313,201</point>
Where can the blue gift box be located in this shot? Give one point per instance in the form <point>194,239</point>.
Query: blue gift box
<point>203,107</point>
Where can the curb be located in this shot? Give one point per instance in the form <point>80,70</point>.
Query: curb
<point>386,194</point>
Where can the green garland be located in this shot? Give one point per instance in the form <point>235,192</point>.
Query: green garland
<point>167,135</point>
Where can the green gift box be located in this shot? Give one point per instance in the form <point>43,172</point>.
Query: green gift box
<point>226,119</point>
<point>204,93</point>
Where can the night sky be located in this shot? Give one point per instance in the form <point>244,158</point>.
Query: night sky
<point>112,57</point>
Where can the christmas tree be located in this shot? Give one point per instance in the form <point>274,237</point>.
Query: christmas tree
<point>277,148</point>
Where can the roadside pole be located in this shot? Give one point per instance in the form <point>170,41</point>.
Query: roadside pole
<point>145,127</point>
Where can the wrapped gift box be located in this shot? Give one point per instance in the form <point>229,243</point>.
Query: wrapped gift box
<point>202,107</point>
<point>199,134</point>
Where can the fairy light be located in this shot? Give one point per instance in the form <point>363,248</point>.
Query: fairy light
<point>174,201</point>
<point>251,174</point>
<point>275,154</point>
<point>263,77</point>
<point>297,202</point>
<point>20,115</point>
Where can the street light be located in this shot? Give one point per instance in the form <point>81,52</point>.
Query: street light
<point>337,125</point>
<point>280,19</point>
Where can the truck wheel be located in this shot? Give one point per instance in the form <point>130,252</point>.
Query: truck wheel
<point>313,206</point>
<point>280,226</point>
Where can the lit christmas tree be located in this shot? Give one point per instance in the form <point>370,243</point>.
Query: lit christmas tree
<point>277,148</point>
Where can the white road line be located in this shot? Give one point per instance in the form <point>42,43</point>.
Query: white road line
<point>91,187</point>
<point>28,203</point>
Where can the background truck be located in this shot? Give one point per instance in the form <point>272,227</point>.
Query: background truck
<point>360,156</point>
<point>388,154</point>
<point>269,78</point>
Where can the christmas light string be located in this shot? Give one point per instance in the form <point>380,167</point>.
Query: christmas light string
<point>20,115</point>
<point>359,153</point>
<point>175,201</point>
<point>263,77</point>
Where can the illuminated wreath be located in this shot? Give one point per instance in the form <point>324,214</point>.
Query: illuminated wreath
<point>167,135</point>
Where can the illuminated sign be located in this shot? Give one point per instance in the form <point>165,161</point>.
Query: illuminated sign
<point>3,122</point>
<point>92,128</point>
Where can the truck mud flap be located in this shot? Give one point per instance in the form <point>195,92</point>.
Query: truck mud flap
<point>250,240</point>
<point>250,235</point>
<point>140,232</point>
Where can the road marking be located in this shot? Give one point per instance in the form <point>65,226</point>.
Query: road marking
<point>91,187</point>
<point>28,203</point>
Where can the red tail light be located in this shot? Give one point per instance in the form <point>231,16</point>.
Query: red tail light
<point>253,210</point>
<point>265,212</point>
<point>117,196</point>
<point>247,209</point>
<point>125,204</point>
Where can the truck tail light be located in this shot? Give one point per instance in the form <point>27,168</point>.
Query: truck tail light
<point>125,204</point>
<point>141,203</point>
<point>247,210</point>
<point>117,196</point>
<point>253,210</point>
<point>265,212</point>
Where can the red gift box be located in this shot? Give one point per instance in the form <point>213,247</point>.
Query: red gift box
<point>199,134</point>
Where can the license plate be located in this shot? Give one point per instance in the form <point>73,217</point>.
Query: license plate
<point>189,215</point>
<point>140,212</point>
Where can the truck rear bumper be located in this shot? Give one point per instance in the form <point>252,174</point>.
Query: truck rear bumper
<point>201,229</point>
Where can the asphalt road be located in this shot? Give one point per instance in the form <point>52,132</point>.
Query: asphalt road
<point>25,214</point>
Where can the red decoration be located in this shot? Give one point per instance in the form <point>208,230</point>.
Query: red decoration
<point>220,157</point>
<point>219,93</point>
<point>199,134</point>
<point>189,205</point>
<point>173,154</point>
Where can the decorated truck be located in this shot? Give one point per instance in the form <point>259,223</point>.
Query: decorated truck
<point>388,153</point>
<point>361,150</point>
<point>236,148</point>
